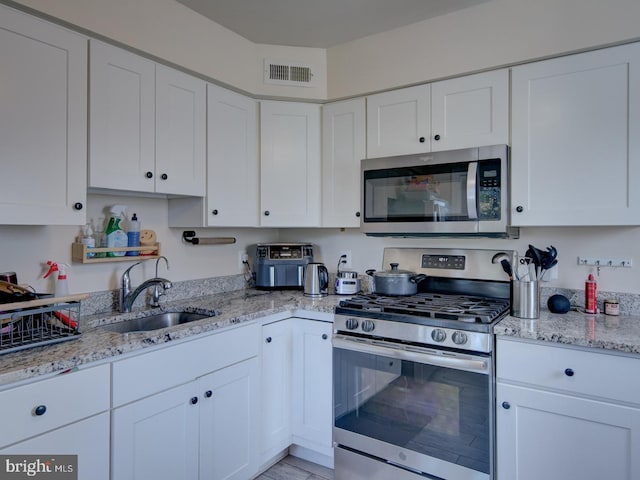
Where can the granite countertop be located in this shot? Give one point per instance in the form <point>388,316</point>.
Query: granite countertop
<point>98,344</point>
<point>611,333</point>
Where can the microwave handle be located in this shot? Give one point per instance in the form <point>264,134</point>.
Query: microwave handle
<point>472,191</point>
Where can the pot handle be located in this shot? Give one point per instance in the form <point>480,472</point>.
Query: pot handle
<point>370,272</point>
<point>418,278</point>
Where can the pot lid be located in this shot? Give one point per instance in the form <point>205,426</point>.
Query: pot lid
<point>395,272</point>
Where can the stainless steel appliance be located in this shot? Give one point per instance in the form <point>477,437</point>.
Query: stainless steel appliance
<point>414,375</point>
<point>280,265</point>
<point>316,280</point>
<point>452,193</point>
<point>347,283</point>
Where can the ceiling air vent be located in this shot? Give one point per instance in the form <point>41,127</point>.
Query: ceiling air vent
<point>288,73</point>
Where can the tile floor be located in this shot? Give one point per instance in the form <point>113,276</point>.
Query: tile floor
<point>293,468</point>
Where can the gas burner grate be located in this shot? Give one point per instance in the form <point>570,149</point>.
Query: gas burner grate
<point>463,308</point>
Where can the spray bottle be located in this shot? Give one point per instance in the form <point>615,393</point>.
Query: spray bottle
<point>116,237</point>
<point>60,286</point>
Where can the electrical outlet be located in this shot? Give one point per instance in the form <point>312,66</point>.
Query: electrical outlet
<point>346,260</point>
<point>243,257</point>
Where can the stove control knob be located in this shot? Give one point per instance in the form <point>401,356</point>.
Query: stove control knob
<point>367,326</point>
<point>351,324</point>
<point>459,338</point>
<point>438,335</point>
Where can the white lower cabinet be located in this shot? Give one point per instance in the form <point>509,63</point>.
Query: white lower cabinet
<point>276,365</point>
<point>204,426</point>
<point>564,413</point>
<point>312,376</point>
<point>63,415</point>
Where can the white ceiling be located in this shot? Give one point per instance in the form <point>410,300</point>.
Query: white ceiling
<point>319,23</point>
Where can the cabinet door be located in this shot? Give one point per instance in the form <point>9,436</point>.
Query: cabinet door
<point>180,162</point>
<point>290,164</point>
<point>122,120</point>
<point>88,439</point>
<point>398,122</point>
<point>343,147</point>
<point>312,385</point>
<point>277,357</point>
<point>556,437</point>
<point>157,437</point>
<point>232,156</point>
<point>470,111</point>
<point>229,436</point>
<point>43,122</point>
<point>575,156</point>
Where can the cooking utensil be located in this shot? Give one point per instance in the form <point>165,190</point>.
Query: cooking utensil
<point>10,292</point>
<point>505,261</point>
<point>395,282</point>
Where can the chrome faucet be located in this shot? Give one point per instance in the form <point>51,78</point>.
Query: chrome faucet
<point>128,297</point>
<point>155,297</point>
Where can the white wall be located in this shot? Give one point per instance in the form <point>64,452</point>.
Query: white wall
<point>169,30</point>
<point>495,33</point>
<point>26,249</point>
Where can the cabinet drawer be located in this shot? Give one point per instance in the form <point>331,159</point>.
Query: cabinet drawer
<point>588,373</point>
<point>66,398</point>
<point>152,372</point>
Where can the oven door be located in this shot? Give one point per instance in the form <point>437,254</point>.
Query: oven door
<point>424,410</point>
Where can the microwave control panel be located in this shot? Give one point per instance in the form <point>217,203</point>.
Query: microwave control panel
<point>489,190</point>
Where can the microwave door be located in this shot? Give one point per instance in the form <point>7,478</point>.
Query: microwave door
<point>472,191</point>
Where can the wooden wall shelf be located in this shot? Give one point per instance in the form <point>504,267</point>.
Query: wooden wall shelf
<point>80,252</point>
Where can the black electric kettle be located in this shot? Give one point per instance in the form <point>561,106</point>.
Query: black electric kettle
<point>316,280</point>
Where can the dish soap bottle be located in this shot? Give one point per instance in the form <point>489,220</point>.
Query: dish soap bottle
<point>590,295</point>
<point>88,239</point>
<point>116,237</point>
<point>133,235</point>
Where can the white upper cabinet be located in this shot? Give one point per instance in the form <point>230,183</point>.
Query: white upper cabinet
<point>289,164</point>
<point>180,133</point>
<point>43,122</point>
<point>470,111</point>
<point>343,147</point>
<point>147,127</point>
<point>398,122</point>
<point>575,146</point>
<point>232,157</point>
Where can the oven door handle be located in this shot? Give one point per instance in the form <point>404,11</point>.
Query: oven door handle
<point>472,191</point>
<point>458,362</point>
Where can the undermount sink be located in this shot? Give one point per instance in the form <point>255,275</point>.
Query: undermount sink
<point>155,322</point>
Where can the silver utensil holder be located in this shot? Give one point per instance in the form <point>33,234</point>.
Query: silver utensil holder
<point>525,299</point>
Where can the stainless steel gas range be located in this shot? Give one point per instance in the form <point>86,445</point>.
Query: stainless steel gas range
<point>414,375</point>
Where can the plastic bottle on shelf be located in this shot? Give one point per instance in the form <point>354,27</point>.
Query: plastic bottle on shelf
<point>99,237</point>
<point>133,235</point>
<point>590,295</point>
<point>88,239</point>
<point>116,237</point>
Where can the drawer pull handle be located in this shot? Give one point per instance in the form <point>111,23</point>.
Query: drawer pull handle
<point>268,340</point>
<point>40,410</point>
<point>324,336</point>
<point>569,372</point>
<point>194,400</point>
<point>208,393</point>
<point>506,405</point>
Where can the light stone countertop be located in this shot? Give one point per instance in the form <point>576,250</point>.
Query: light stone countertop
<point>96,344</point>
<point>609,333</point>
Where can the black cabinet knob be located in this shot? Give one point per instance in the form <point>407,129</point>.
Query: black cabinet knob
<point>436,137</point>
<point>357,214</point>
<point>164,176</point>
<point>208,393</point>
<point>40,410</point>
<point>569,372</point>
<point>267,213</point>
<point>215,211</point>
<point>78,206</point>
<point>421,139</point>
<point>194,400</point>
<point>268,340</point>
<point>519,209</point>
<point>506,405</point>
<point>324,336</point>
<point>149,174</point>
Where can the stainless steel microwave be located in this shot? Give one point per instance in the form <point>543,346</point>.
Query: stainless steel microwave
<point>451,193</point>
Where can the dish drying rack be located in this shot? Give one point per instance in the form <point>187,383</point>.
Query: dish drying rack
<point>39,322</point>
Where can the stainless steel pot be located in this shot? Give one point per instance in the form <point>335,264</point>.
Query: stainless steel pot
<point>395,281</point>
